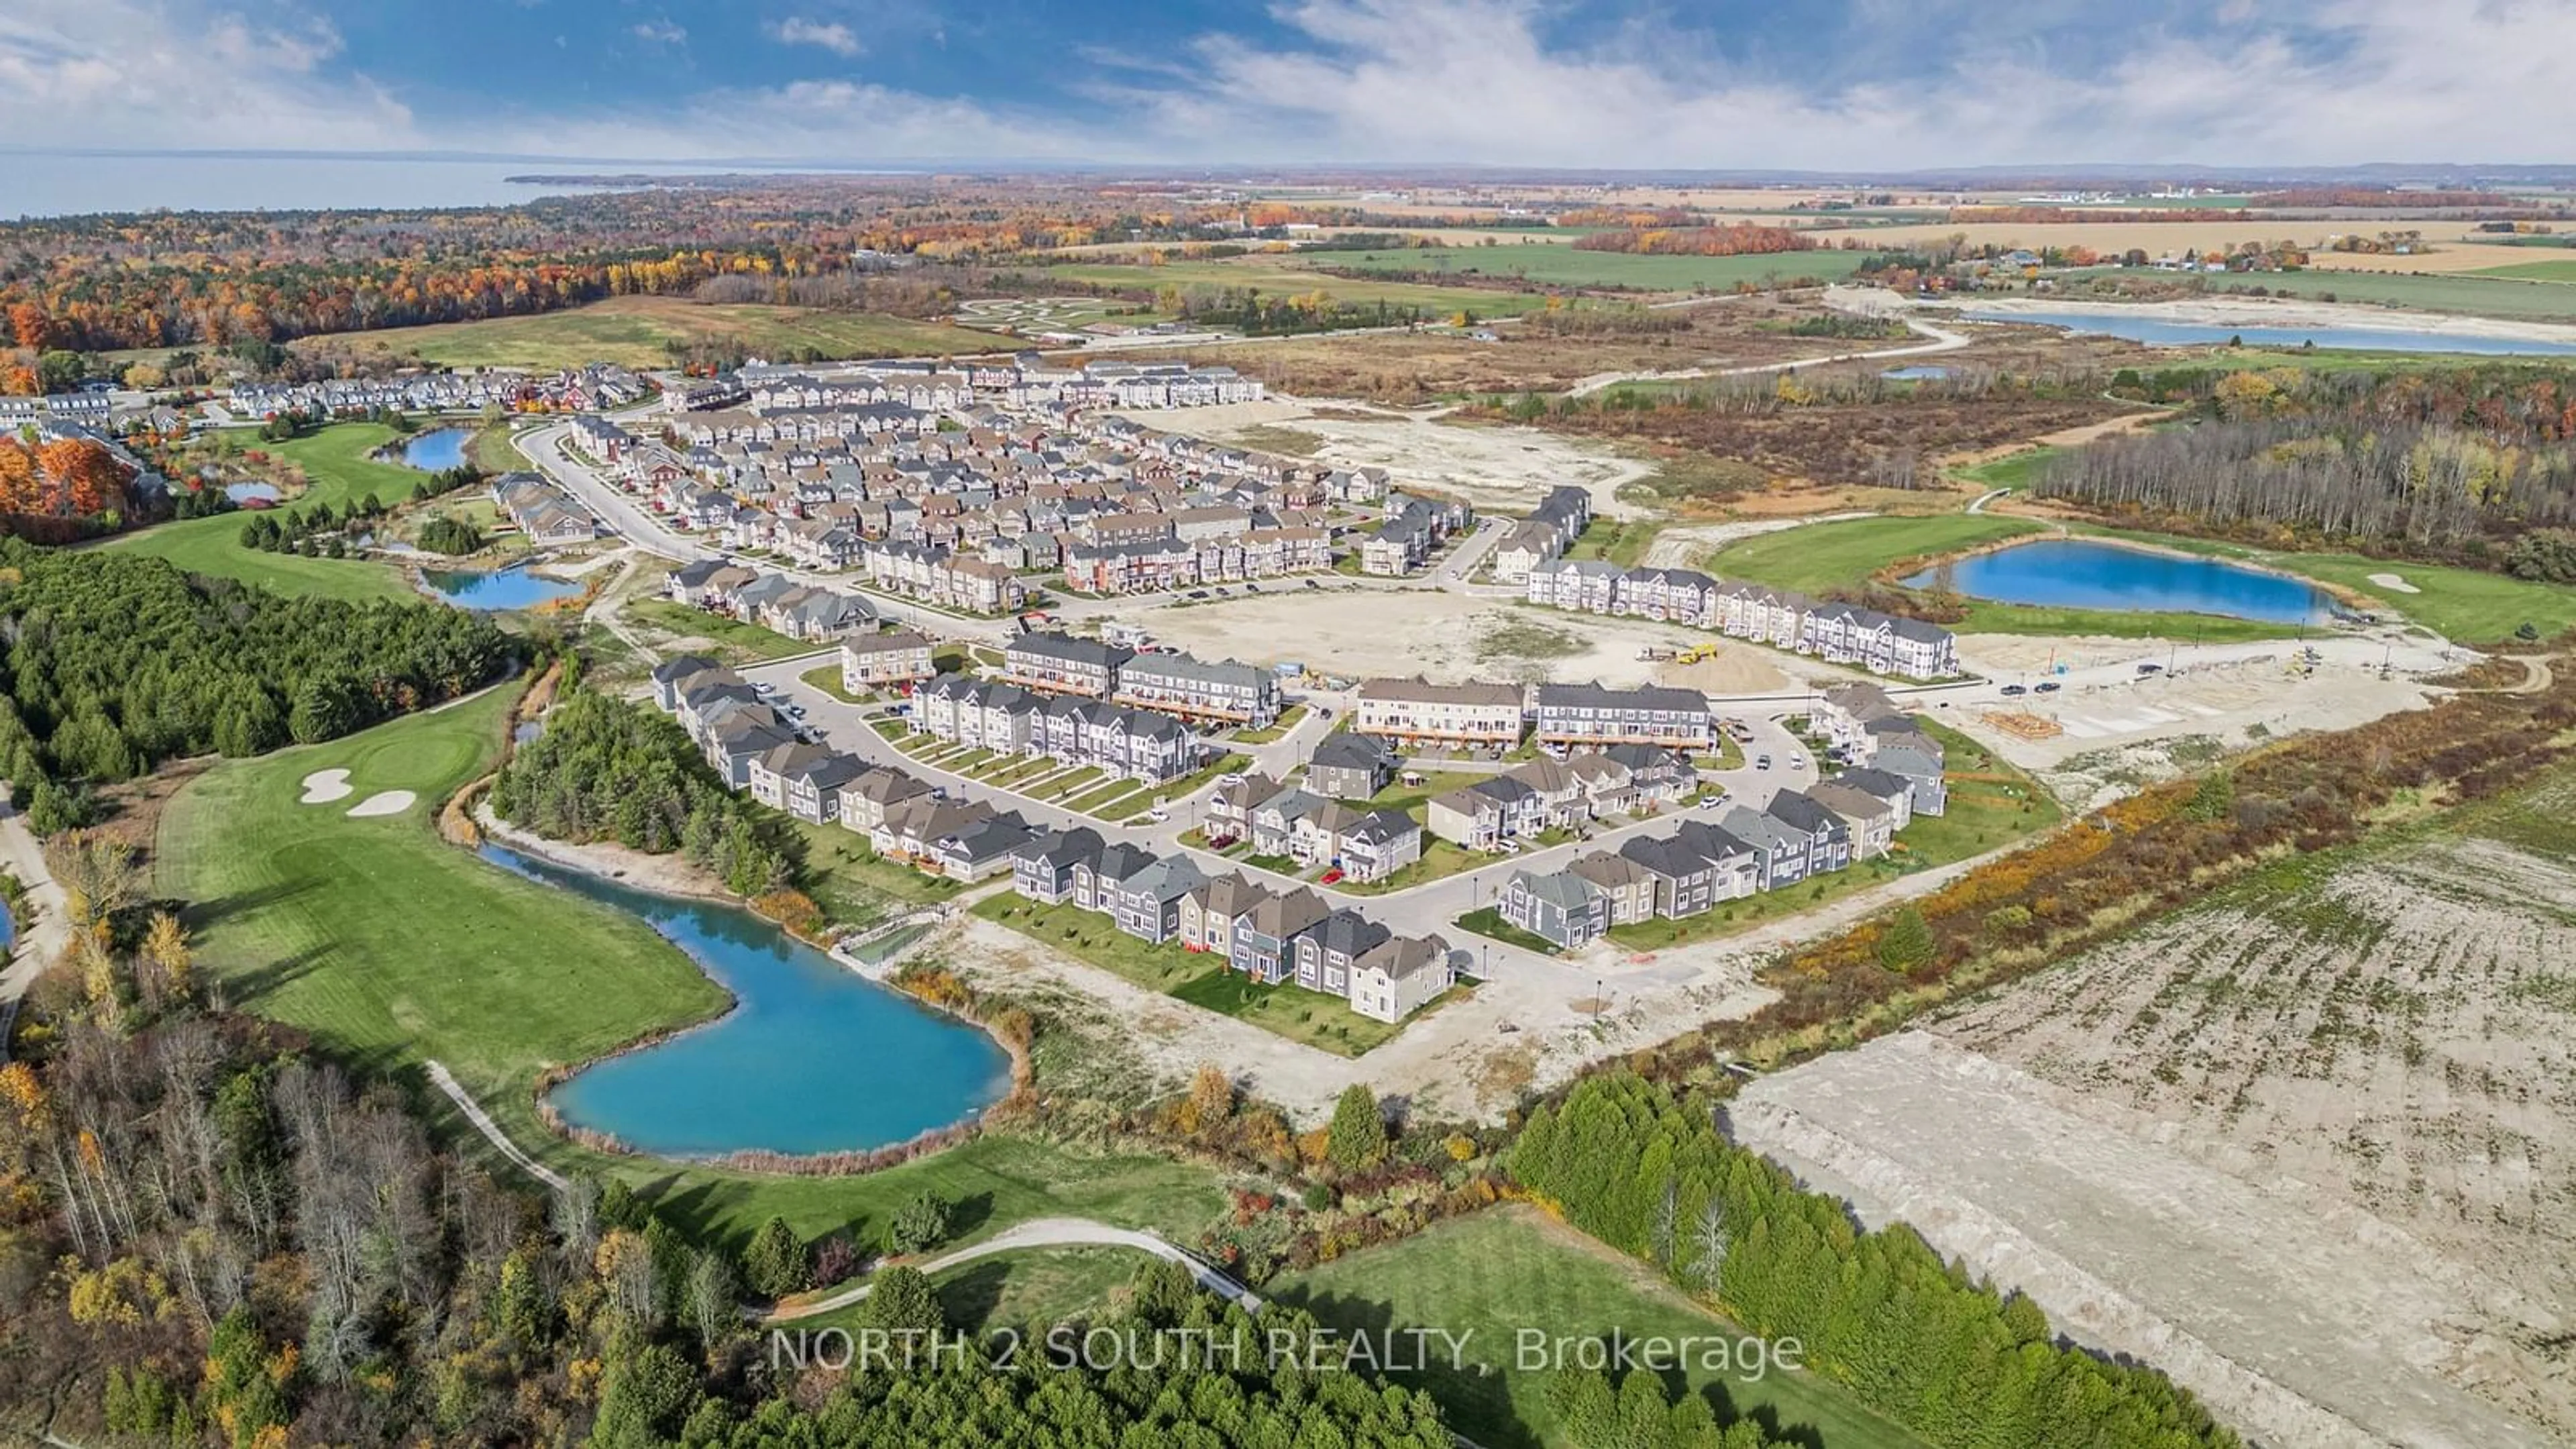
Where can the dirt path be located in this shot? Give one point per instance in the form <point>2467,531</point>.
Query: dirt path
<point>42,932</point>
<point>1942,340</point>
<point>446,1082</point>
<point>1036,1233</point>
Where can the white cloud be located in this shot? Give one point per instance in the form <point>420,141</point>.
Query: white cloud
<point>146,73</point>
<point>830,35</point>
<point>1394,80</point>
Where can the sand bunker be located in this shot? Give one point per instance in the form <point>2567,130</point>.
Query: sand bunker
<point>383,802</point>
<point>2394,584</point>
<point>324,786</point>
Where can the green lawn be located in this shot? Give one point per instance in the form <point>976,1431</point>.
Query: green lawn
<point>638,332</point>
<point>338,472</point>
<point>1488,922</point>
<point>391,948</point>
<point>852,884</point>
<point>1550,264</point>
<point>2561,270</point>
<point>1195,977</point>
<point>1822,556</point>
<point>827,678</point>
<point>1492,1275</point>
<point>1289,719</point>
<point>1066,784</point>
<point>1020,1289</point>
<point>1171,791</point>
<point>1094,799</point>
<point>1440,858</point>
<point>734,639</point>
<point>1401,796</point>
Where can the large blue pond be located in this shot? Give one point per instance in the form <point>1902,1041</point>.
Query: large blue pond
<point>2157,331</point>
<point>2083,574</point>
<point>438,450</point>
<point>496,589</point>
<point>813,1058</point>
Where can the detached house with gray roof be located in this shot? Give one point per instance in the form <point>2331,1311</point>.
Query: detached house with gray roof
<point>1560,907</point>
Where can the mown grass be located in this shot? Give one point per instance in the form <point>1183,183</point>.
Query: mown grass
<point>736,640</point>
<point>392,948</point>
<point>1491,1276</point>
<point>639,332</point>
<point>337,471</point>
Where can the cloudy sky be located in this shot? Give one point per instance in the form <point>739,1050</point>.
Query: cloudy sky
<point>1876,85</point>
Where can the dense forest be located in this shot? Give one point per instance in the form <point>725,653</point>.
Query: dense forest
<point>612,769</point>
<point>117,663</point>
<point>2449,463</point>
<point>1879,1312</point>
<point>209,1237</point>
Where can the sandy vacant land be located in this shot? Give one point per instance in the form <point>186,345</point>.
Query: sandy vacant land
<point>2285,312</point>
<point>1362,633</point>
<point>1507,469</point>
<point>2313,1151</point>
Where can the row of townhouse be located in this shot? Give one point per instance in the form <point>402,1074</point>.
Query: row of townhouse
<point>1866,729</point>
<point>1215,692</point>
<point>1102,383</point>
<point>1006,719</point>
<point>1272,936</point>
<point>775,602</point>
<point>1411,528</point>
<point>599,386</point>
<point>1835,632</point>
<point>1589,716</point>
<point>903,818</point>
<point>1417,714</point>
<point>1547,533</point>
<point>1163,563</point>
<point>1701,865</point>
<point>937,576</point>
<point>1548,794</point>
<point>1314,829</point>
<point>545,515</point>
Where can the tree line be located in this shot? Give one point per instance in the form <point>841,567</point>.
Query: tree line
<point>612,769</point>
<point>1876,1311</point>
<point>116,663</point>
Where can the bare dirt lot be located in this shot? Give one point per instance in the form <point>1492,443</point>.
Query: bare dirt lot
<point>1361,633</point>
<point>2313,1149</point>
<point>1497,468</point>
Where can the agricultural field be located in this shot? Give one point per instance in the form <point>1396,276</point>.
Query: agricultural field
<point>1274,275</point>
<point>1492,1274</point>
<point>2550,271</point>
<point>2473,294</point>
<point>641,332</point>
<point>338,472</point>
<point>1546,265</point>
<point>2338,1094</point>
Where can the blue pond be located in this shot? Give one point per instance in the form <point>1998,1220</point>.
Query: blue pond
<point>496,589</point>
<point>2083,574</point>
<point>437,451</point>
<point>252,492</point>
<point>1918,372</point>
<point>2158,332</point>
<point>812,1058</point>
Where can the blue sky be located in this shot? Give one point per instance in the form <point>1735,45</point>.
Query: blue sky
<point>1841,84</point>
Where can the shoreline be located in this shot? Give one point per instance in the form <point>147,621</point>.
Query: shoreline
<point>683,885</point>
<point>1893,574</point>
<point>2269,312</point>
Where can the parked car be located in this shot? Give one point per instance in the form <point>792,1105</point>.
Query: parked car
<point>1763,763</point>
<point>2015,689</point>
<point>1195,594</point>
<point>2045,686</point>
<point>1330,877</point>
<point>1797,762</point>
<point>2151,669</point>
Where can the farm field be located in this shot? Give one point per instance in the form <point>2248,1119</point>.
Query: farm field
<point>1566,266</point>
<point>639,332</point>
<point>1489,1275</point>
<point>2475,295</point>
<point>2561,270</point>
<point>338,472</point>
<point>2336,1094</point>
<point>1275,275</point>
<point>391,948</point>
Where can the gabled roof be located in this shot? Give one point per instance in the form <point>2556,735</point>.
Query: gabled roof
<point>1562,889</point>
